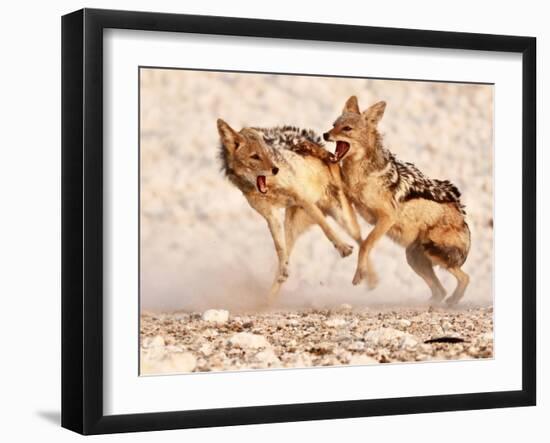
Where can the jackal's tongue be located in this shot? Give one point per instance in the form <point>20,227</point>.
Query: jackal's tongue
<point>260,184</point>
<point>342,149</point>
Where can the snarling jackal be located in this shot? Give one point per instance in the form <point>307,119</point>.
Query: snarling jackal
<point>274,168</point>
<point>422,214</point>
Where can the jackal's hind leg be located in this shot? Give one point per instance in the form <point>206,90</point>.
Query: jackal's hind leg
<point>422,265</point>
<point>463,280</point>
<point>364,265</point>
<point>296,223</point>
<point>274,291</point>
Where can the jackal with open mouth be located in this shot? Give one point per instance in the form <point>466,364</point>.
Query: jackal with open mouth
<point>422,214</point>
<point>274,168</point>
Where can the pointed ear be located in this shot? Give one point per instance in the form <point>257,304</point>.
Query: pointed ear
<point>374,113</point>
<point>351,106</point>
<point>230,137</point>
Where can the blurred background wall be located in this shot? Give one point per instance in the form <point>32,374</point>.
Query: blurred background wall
<point>202,246</point>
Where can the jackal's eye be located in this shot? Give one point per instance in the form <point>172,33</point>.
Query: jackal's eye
<point>255,157</point>
<point>347,128</point>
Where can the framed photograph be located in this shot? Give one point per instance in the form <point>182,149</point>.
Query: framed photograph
<point>269,221</point>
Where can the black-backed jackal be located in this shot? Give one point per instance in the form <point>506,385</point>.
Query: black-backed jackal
<point>274,169</point>
<point>422,214</point>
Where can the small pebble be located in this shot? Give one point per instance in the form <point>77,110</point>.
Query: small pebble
<point>249,340</point>
<point>218,316</point>
<point>335,322</point>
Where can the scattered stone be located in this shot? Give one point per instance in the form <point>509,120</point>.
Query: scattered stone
<point>183,362</point>
<point>408,341</point>
<point>268,357</point>
<point>447,327</point>
<point>292,343</point>
<point>487,336</point>
<point>210,333</point>
<point>169,340</point>
<point>206,349</point>
<point>153,342</point>
<point>249,340</point>
<point>218,316</point>
<point>404,323</point>
<point>383,336</point>
<point>151,363</point>
<point>426,348</point>
<point>356,346</point>
<point>389,337</point>
<point>335,322</point>
<point>173,348</point>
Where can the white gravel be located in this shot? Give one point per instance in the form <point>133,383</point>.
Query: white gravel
<point>248,340</point>
<point>304,339</point>
<point>218,316</point>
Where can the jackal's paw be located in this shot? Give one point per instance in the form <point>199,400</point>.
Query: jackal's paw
<point>452,301</point>
<point>283,275</point>
<point>435,301</point>
<point>372,279</point>
<point>359,276</point>
<point>344,249</point>
<point>437,298</point>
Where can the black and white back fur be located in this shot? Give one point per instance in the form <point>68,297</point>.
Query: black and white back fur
<point>407,182</point>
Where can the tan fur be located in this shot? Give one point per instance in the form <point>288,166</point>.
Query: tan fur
<point>308,188</point>
<point>417,224</point>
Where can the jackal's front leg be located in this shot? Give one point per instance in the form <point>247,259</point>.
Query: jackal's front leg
<point>343,212</point>
<point>318,217</point>
<point>278,239</point>
<point>268,212</point>
<point>351,225</point>
<point>307,147</point>
<point>364,265</point>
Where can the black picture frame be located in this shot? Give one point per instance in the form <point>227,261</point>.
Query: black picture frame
<point>82,220</point>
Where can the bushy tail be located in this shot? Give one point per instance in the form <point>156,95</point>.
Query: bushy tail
<point>448,247</point>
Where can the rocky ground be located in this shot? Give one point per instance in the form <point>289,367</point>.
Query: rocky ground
<point>216,340</point>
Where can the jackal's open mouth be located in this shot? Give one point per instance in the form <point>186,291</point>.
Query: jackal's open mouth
<point>342,149</point>
<point>261,184</point>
